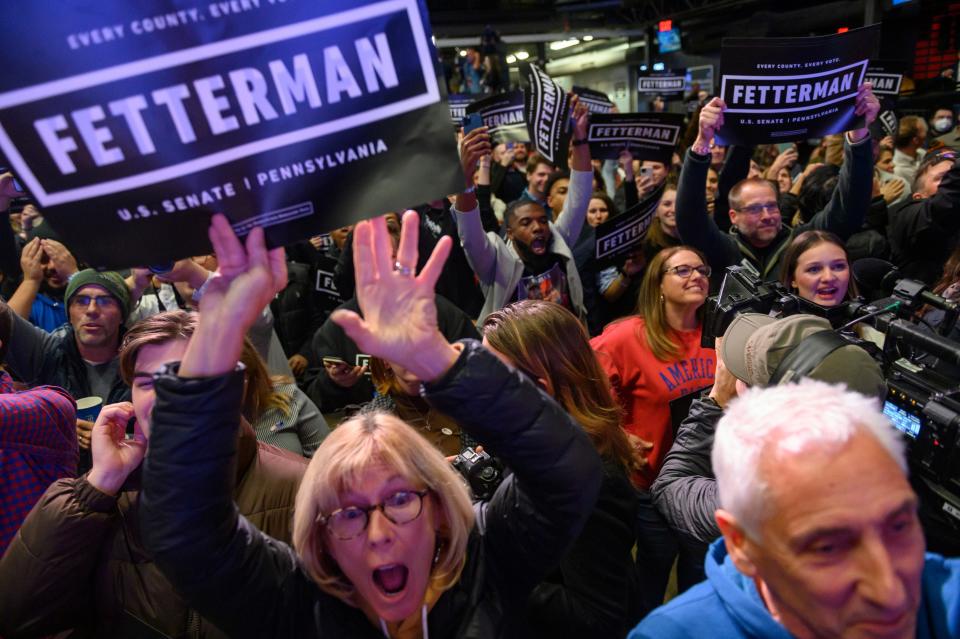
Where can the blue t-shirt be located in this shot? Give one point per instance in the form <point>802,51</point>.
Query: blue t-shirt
<point>48,313</point>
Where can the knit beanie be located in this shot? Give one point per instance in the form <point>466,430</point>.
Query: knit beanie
<point>108,280</point>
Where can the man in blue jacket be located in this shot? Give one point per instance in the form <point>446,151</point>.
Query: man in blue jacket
<point>820,530</point>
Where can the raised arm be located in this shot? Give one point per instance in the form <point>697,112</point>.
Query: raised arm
<point>190,523</point>
<point>850,202</point>
<point>477,245</point>
<point>697,228</point>
<point>556,471</point>
<point>574,213</point>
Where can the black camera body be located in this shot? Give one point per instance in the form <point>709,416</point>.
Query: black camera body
<point>482,472</point>
<point>919,400</point>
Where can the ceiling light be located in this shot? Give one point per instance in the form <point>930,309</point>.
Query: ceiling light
<point>511,59</point>
<point>522,55</point>
<point>587,38</point>
<point>563,44</point>
<point>463,53</point>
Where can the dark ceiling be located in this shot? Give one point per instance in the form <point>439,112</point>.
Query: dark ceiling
<point>706,20</point>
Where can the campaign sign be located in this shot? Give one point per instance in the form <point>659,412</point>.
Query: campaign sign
<point>131,123</point>
<point>783,89</point>
<point>547,109</point>
<point>458,103</point>
<point>503,115</point>
<point>648,136</point>
<point>595,101</point>
<point>660,83</point>
<point>621,235</point>
<point>889,123</point>
<point>886,76</point>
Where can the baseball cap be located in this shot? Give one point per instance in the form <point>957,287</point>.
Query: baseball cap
<point>754,345</point>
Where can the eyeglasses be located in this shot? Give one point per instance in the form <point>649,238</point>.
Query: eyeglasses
<point>401,507</point>
<point>685,270</point>
<point>102,301</point>
<point>757,209</point>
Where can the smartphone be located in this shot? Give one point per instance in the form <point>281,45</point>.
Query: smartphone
<point>783,146</point>
<point>471,122</point>
<point>646,171</point>
<point>333,361</point>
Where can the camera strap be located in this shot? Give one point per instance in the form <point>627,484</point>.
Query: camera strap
<point>806,356</point>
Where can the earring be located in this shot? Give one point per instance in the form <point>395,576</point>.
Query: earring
<point>436,553</point>
<point>662,300</point>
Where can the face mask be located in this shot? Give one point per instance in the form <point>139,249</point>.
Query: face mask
<point>942,125</point>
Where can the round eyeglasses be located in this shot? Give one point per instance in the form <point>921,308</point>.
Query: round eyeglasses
<point>401,507</point>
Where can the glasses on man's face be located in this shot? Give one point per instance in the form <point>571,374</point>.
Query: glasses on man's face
<point>685,270</point>
<point>401,507</point>
<point>102,301</point>
<point>757,209</point>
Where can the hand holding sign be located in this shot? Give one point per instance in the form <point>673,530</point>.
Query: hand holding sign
<point>581,122</point>
<point>711,119</point>
<point>247,279</point>
<point>868,106</point>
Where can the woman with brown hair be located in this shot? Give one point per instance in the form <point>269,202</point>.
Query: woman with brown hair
<point>653,358</point>
<point>280,413</point>
<point>817,268</point>
<point>593,591</point>
<point>398,392</point>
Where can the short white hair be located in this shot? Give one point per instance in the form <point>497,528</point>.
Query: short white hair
<point>790,419</point>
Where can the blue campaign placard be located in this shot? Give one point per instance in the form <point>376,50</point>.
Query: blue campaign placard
<point>131,123</point>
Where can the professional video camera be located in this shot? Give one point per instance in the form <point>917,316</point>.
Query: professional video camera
<point>919,365</point>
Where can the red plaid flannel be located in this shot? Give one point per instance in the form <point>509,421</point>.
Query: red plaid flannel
<point>38,445</point>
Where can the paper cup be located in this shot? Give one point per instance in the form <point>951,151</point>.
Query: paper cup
<point>88,408</point>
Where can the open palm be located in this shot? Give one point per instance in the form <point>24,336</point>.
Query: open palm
<point>399,322</point>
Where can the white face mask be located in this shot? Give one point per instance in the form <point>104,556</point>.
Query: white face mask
<point>942,125</point>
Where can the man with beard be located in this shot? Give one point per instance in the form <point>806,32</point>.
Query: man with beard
<point>80,356</point>
<point>47,266</point>
<point>757,236</point>
<point>534,260</point>
<point>508,175</point>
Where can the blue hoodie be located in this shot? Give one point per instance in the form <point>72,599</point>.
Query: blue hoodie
<point>728,605</point>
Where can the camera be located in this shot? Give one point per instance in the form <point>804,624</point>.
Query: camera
<point>920,368</point>
<point>482,472</point>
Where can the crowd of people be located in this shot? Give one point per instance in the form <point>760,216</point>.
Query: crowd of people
<point>276,434</point>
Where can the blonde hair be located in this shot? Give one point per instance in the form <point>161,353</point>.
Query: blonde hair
<point>363,442</point>
<point>260,392</point>
<point>658,332</point>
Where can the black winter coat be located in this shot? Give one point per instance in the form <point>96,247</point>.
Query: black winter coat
<point>922,233</point>
<point>685,491</point>
<point>253,586</point>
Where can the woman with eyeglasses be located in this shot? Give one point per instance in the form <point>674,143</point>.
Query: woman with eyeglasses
<point>386,542</point>
<point>653,358</point>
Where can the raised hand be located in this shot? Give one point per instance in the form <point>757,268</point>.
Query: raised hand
<point>474,146</point>
<point>247,279</point>
<point>31,260</point>
<point>868,106</point>
<point>399,322</point>
<point>114,456</point>
<point>711,119</point>
<point>581,124</point>
<point>63,260</point>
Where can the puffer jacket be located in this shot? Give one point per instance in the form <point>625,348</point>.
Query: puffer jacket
<point>685,491</point>
<point>254,586</point>
<point>79,561</point>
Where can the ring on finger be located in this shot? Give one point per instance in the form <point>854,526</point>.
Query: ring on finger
<point>405,271</point>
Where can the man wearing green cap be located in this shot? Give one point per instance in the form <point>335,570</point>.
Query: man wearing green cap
<point>80,356</point>
<point>751,351</point>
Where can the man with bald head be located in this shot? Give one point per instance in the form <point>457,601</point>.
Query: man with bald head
<point>821,536</point>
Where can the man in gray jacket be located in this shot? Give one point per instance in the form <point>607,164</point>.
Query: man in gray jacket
<point>534,260</point>
<point>754,345</point>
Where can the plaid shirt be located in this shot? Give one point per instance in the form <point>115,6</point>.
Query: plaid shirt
<point>38,445</point>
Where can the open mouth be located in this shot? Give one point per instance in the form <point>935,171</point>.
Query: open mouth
<point>538,245</point>
<point>391,579</point>
<point>827,291</point>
